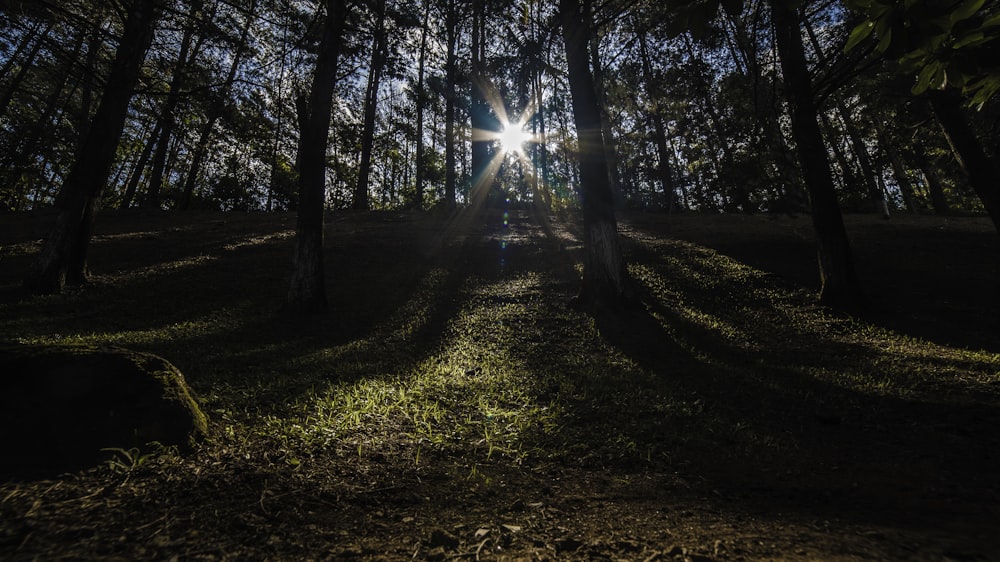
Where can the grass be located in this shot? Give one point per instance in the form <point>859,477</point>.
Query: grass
<point>452,384</point>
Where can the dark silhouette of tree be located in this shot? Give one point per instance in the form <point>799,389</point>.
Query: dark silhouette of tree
<point>840,286</point>
<point>307,290</point>
<point>605,280</point>
<point>63,256</point>
<point>185,57</point>
<point>973,159</point>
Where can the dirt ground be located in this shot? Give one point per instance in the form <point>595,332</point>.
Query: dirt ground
<point>733,419</point>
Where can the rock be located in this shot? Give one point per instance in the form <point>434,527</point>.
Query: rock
<point>444,539</point>
<point>61,404</point>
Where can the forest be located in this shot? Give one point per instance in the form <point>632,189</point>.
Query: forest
<point>500,279</point>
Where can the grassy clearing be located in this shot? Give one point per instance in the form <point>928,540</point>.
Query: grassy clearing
<point>454,377</point>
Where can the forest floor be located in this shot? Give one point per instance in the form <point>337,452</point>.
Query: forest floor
<point>453,406</point>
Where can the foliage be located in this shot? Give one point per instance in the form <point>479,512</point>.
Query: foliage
<point>944,44</point>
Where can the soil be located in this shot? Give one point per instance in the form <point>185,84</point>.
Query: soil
<point>779,452</point>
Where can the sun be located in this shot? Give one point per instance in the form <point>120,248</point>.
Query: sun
<point>513,137</point>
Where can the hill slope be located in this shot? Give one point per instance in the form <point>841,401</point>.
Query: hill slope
<point>452,406</point>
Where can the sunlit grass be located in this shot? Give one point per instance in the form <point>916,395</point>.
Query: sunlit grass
<point>475,366</point>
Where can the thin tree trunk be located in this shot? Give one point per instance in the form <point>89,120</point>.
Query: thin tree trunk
<point>451,73</point>
<point>597,68</point>
<point>982,172</point>
<point>26,65</point>
<point>605,280</point>
<point>898,171</point>
<point>659,129</point>
<point>361,197</point>
<point>421,101</point>
<point>68,240</point>
<point>853,134</point>
<point>479,108</point>
<point>215,111</point>
<point>133,181</point>
<point>938,200</point>
<point>307,289</point>
<point>167,120</point>
<point>839,285</point>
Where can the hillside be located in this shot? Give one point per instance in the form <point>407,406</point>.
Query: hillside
<point>453,406</point>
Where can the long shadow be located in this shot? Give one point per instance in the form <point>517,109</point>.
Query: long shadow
<point>883,459</point>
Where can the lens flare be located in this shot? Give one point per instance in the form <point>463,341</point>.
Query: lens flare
<point>513,137</point>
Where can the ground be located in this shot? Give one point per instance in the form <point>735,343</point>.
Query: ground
<point>452,405</point>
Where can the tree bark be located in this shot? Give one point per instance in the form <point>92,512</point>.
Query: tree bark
<point>977,165</point>
<point>839,285</point>
<point>938,200</point>
<point>421,101</point>
<point>307,290</point>
<point>605,279</point>
<point>451,79</point>
<point>26,66</point>
<point>659,129</point>
<point>167,121</point>
<point>215,111</point>
<point>361,198</point>
<point>69,239</point>
<point>479,110</point>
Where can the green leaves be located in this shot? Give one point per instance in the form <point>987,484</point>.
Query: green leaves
<point>942,44</point>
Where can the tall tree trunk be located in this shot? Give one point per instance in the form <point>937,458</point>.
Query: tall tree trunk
<point>167,120</point>
<point>69,239</point>
<point>597,75</point>
<point>26,65</point>
<point>851,130</point>
<point>451,79</point>
<point>728,162</point>
<point>898,169</point>
<point>659,129</point>
<point>479,110</point>
<point>21,160</point>
<point>215,111</point>
<point>605,279</point>
<point>307,290</point>
<point>421,101</point>
<point>977,165</point>
<point>839,284</point>
<point>938,200</point>
<point>361,198</point>
<point>133,181</point>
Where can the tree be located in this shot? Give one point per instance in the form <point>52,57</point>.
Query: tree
<point>605,279</point>
<point>375,68</point>
<point>167,120</point>
<point>839,285</point>
<point>977,165</point>
<point>64,252</point>
<point>307,290</point>
<point>216,107</point>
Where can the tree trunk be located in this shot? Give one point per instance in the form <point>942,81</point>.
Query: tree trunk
<point>479,110</point>
<point>26,66</point>
<point>421,101</point>
<point>597,76</point>
<point>361,197</point>
<point>659,129</point>
<point>898,171</point>
<point>69,239</point>
<point>307,290</point>
<point>167,120</point>
<point>605,279</point>
<point>839,285</point>
<point>215,110</point>
<point>451,77</point>
<point>853,134</point>
<point>133,181</point>
<point>983,175</point>
<point>938,200</point>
